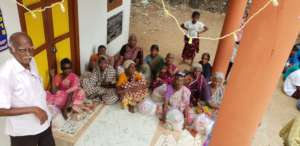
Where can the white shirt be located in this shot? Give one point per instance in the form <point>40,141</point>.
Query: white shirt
<point>291,83</point>
<point>193,29</point>
<point>20,87</point>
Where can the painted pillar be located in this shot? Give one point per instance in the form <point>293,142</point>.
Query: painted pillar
<point>233,19</point>
<point>266,45</point>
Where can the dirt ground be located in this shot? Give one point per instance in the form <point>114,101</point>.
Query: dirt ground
<point>152,27</point>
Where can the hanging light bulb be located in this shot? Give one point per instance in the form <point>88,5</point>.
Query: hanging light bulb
<point>275,3</point>
<point>62,8</point>
<point>33,15</point>
<point>190,40</point>
<point>235,37</point>
<point>167,13</point>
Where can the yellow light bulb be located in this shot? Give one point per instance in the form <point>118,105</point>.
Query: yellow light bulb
<point>275,3</point>
<point>190,40</point>
<point>62,8</point>
<point>33,15</point>
<point>235,36</point>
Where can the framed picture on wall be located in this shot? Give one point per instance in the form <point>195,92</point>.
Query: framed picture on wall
<point>114,27</point>
<point>112,4</point>
<point>3,34</point>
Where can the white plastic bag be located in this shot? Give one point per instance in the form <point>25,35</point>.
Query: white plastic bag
<point>203,124</point>
<point>147,107</point>
<point>174,120</point>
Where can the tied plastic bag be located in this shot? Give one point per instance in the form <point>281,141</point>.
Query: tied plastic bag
<point>57,118</point>
<point>174,120</point>
<point>203,125</point>
<point>147,107</point>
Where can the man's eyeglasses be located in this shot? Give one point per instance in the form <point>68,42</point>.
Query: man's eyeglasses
<point>23,51</point>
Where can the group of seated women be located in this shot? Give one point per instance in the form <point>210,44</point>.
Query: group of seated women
<point>129,78</point>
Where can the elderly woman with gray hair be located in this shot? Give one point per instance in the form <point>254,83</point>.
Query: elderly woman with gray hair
<point>198,86</point>
<point>217,89</point>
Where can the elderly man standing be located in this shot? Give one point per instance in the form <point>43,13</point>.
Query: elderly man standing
<point>22,97</point>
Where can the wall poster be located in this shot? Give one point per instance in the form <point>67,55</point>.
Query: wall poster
<point>114,27</point>
<point>3,34</point>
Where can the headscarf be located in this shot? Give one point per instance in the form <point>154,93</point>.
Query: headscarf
<point>127,64</point>
<point>219,76</point>
<point>197,66</point>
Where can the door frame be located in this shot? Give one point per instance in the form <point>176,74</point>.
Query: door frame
<point>73,31</point>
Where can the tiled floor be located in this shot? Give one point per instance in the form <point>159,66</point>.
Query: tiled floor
<point>116,127</point>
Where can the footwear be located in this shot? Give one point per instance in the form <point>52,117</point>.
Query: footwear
<point>131,109</point>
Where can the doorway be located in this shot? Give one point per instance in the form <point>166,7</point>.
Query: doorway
<point>54,33</point>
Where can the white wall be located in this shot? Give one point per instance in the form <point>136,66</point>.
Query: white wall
<point>11,16</point>
<point>11,21</point>
<point>93,17</point>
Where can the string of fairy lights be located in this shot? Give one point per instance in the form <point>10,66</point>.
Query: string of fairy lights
<point>169,14</point>
<point>33,12</point>
<point>233,33</point>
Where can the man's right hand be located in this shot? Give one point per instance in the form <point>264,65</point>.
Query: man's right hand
<point>40,114</point>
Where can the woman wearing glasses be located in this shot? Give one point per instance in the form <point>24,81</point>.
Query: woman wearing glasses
<point>206,66</point>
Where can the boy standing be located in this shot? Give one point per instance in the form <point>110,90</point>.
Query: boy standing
<point>194,28</point>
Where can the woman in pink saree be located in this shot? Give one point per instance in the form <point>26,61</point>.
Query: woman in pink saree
<point>173,96</point>
<point>65,88</point>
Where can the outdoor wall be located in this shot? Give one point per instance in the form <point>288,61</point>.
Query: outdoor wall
<point>11,20</point>
<point>93,17</point>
